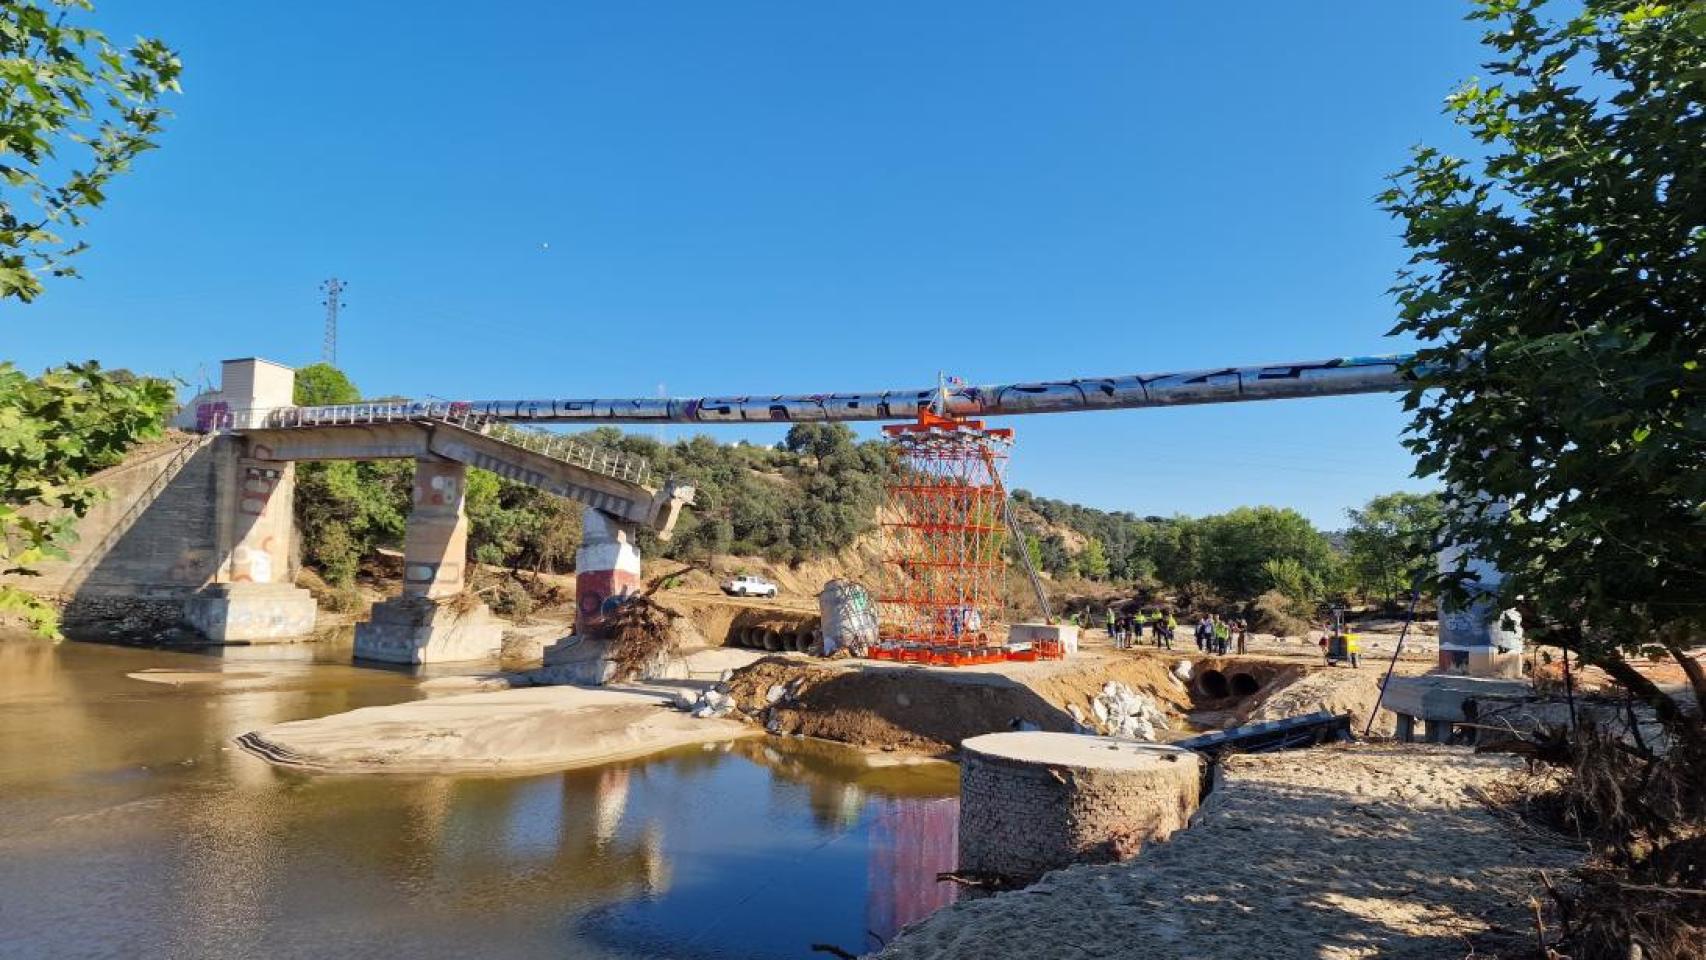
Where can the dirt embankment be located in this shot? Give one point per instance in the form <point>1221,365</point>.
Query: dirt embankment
<point>930,711</point>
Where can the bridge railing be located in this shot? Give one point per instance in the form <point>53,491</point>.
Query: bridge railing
<point>627,467</point>
<point>610,463</point>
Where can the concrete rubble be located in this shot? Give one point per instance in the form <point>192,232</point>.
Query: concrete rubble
<point>713,703</point>
<point>1122,712</point>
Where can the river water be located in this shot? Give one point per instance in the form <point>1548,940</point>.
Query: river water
<point>132,826</point>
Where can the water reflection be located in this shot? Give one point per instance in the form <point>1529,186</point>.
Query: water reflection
<point>912,842</point>
<point>130,826</point>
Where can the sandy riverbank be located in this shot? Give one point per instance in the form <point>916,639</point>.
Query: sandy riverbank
<point>500,732</point>
<point>1338,852</point>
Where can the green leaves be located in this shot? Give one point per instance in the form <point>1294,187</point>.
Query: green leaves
<point>74,113</point>
<point>1555,284</point>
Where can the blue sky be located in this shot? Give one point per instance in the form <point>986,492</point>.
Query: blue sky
<point>579,199</point>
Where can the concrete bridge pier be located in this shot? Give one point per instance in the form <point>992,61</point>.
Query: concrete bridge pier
<point>1480,639</point>
<point>251,597</point>
<point>607,572</point>
<point>432,622</point>
<point>607,569</point>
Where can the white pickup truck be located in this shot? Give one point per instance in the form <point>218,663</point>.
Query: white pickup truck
<point>747,585</point>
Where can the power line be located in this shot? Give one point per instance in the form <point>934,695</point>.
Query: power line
<point>334,291</point>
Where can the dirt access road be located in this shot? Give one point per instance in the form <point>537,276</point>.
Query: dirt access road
<point>1360,850</point>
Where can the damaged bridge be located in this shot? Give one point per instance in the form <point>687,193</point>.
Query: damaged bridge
<point>244,591</point>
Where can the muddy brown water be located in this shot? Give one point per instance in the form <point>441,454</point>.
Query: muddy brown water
<point>132,826</point>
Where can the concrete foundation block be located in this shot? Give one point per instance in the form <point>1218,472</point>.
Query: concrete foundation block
<point>423,630</point>
<point>251,612</point>
<point>1034,634</point>
<point>586,663</point>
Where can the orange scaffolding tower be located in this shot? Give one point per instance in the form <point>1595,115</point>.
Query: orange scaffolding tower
<point>945,535</point>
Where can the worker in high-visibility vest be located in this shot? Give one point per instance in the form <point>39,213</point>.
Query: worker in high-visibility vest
<point>1353,646</point>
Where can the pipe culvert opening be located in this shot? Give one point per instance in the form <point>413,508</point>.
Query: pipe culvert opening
<point>1244,684</point>
<point>1213,684</point>
<point>772,641</point>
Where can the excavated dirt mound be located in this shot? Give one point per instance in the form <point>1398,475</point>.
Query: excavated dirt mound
<point>930,711</point>
<point>1337,690</point>
<point>912,710</point>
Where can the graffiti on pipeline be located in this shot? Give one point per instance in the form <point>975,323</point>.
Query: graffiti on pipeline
<point>1336,376</point>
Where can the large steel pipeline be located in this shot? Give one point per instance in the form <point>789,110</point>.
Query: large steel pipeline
<point>1315,378</point>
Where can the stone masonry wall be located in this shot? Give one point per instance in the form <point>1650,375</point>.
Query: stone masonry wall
<point>1020,820</point>
<point>149,544</point>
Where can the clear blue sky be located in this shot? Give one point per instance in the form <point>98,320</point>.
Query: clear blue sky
<point>593,199</point>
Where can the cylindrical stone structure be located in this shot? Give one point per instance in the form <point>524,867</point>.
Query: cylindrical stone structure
<point>1032,801</point>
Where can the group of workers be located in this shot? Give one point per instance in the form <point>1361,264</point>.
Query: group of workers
<point>1222,635</point>
<point>1214,633</point>
<point>1126,629</point>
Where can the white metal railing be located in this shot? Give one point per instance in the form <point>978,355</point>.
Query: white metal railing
<point>560,447</point>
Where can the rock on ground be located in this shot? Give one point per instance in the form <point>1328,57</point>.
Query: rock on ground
<point>1359,850</point>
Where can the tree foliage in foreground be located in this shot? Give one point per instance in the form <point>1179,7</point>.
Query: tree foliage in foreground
<point>56,430</point>
<point>75,111</point>
<point>1556,281</point>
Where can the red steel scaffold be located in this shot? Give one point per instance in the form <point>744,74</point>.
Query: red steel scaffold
<point>945,535</point>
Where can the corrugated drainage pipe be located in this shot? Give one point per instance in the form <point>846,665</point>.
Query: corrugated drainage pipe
<point>772,641</point>
<point>1212,684</point>
<point>753,638</point>
<point>802,639</point>
<point>1244,684</point>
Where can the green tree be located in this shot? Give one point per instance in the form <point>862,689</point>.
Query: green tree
<point>1057,560</point>
<point>323,385</point>
<point>75,111</point>
<point>819,440</point>
<point>1391,542</point>
<point>345,509</point>
<point>1556,282</point>
<point>1236,545</point>
<point>1034,550</point>
<point>1093,561</point>
<point>55,430</point>
<point>520,527</point>
<point>1298,583</point>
